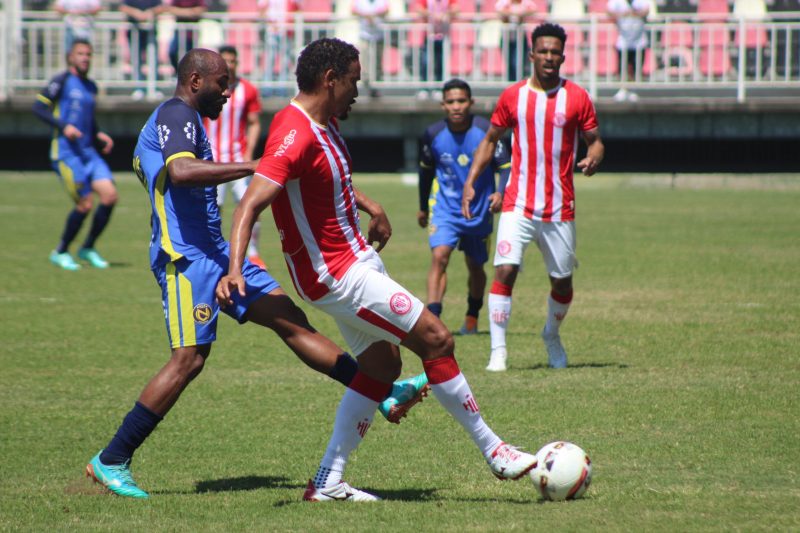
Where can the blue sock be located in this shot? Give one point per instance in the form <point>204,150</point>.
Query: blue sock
<point>345,369</point>
<point>135,428</point>
<point>101,216</point>
<point>474,306</point>
<point>71,228</point>
<point>435,308</point>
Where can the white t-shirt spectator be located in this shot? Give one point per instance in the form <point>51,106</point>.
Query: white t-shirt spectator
<point>632,34</point>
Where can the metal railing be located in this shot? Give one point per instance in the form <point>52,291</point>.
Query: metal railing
<point>684,53</point>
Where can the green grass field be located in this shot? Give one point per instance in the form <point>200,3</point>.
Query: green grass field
<point>684,383</point>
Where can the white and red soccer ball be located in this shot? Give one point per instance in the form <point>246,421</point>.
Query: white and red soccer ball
<point>563,471</point>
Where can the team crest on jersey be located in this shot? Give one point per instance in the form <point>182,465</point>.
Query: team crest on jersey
<point>190,132</point>
<point>287,142</point>
<point>201,313</point>
<point>560,119</point>
<point>503,248</point>
<point>463,160</point>
<point>400,303</point>
<point>163,134</point>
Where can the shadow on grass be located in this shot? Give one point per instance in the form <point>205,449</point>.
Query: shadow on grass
<point>247,483</point>
<point>403,495</point>
<point>540,366</point>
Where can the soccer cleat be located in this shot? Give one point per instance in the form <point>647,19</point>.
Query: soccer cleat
<point>470,326</point>
<point>91,256</point>
<point>339,492</point>
<point>509,462</point>
<point>556,355</point>
<point>257,261</point>
<point>497,361</point>
<point>405,395</point>
<point>116,478</point>
<point>64,260</point>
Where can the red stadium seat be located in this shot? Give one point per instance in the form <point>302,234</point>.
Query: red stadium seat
<point>715,61</point>
<point>462,34</point>
<point>573,62</point>
<point>492,62</point>
<point>713,10</point>
<point>317,10</point>
<point>461,60</point>
<point>392,61</point>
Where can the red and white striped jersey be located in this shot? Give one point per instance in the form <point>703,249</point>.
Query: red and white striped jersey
<point>545,129</point>
<point>316,213</point>
<point>228,133</point>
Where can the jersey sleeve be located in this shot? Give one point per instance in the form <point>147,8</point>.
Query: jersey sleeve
<point>587,114</point>
<point>503,116</point>
<point>282,151</point>
<point>427,169</point>
<point>253,102</point>
<point>45,101</point>
<point>180,132</point>
<point>501,162</point>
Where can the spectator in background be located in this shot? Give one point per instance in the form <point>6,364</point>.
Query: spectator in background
<point>278,17</point>
<point>141,34</point>
<point>515,13</point>
<point>630,17</point>
<point>184,39</point>
<point>371,14</point>
<point>78,19</point>
<point>438,14</point>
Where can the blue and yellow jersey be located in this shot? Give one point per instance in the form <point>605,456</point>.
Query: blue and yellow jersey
<point>445,158</point>
<point>69,99</point>
<point>185,220</point>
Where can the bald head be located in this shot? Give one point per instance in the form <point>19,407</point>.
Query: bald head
<point>203,62</point>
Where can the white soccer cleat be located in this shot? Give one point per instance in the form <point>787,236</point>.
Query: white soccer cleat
<point>508,462</point>
<point>339,492</point>
<point>497,361</point>
<point>556,355</point>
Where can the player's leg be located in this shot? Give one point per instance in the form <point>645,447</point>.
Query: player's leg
<point>73,176</point>
<point>514,233</point>
<point>557,244</point>
<point>442,240</point>
<point>475,255</point>
<point>103,186</point>
<point>191,327</point>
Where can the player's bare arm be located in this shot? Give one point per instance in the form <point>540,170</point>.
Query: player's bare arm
<point>380,230</point>
<point>480,160</point>
<point>594,153</point>
<point>253,132</point>
<point>422,219</point>
<point>260,194</point>
<point>191,172</point>
<point>107,142</point>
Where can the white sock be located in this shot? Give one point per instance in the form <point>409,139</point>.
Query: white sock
<point>456,396</point>
<point>353,419</point>
<point>499,314</point>
<point>556,313</point>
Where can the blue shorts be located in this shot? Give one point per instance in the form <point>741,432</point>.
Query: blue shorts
<point>476,247</point>
<point>190,306</point>
<point>77,173</point>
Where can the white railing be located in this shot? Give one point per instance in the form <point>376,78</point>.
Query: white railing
<point>684,53</point>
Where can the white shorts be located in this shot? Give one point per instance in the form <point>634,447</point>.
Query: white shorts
<point>556,241</point>
<point>369,306</point>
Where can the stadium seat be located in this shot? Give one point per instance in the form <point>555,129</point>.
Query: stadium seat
<point>243,34</point>
<point>598,6</point>
<point>567,10</point>
<point>713,10</point>
<point>573,62</point>
<point>317,10</point>
<point>492,62</point>
<point>606,56</point>
<point>750,9</point>
<point>392,61</point>
<point>461,60</point>
<point>714,61</point>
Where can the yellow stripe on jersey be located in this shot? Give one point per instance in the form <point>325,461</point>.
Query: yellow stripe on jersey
<point>432,197</point>
<point>68,178</point>
<point>158,197</point>
<point>505,165</point>
<point>187,307</point>
<point>54,140</point>
<point>43,99</point>
<point>178,156</point>
<point>173,323</point>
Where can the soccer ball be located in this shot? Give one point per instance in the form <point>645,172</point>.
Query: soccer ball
<point>563,471</point>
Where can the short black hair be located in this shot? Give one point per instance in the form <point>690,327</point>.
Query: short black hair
<point>228,49</point>
<point>549,29</point>
<point>318,57</point>
<point>457,83</point>
<point>197,60</point>
<point>80,40</point>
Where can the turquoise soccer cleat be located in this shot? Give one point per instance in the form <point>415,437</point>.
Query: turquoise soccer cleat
<point>116,478</point>
<point>405,395</point>
<point>64,260</point>
<point>91,256</point>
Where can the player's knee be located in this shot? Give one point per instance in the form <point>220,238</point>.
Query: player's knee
<point>84,205</point>
<point>439,340</point>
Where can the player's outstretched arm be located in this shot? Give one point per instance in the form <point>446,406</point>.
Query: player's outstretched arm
<point>480,160</point>
<point>594,153</point>
<point>192,172</point>
<point>380,230</point>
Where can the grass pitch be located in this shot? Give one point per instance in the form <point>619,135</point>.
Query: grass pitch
<point>683,386</point>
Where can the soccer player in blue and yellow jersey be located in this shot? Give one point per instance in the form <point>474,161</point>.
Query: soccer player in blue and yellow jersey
<point>67,104</point>
<point>446,155</point>
<point>188,256</point>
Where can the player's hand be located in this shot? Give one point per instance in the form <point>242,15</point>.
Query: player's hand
<point>108,142</point>
<point>466,198</point>
<point>588,165</point>
<point>226,286</point>
<point>495,202</point>
<point>422,219</point>
<point>379,230</point>
<point>71,132</point>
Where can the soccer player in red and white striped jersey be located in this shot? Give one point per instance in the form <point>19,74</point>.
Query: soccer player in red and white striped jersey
<point>546,113</point>
<point>305,174</point>
<point>234,135</point>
